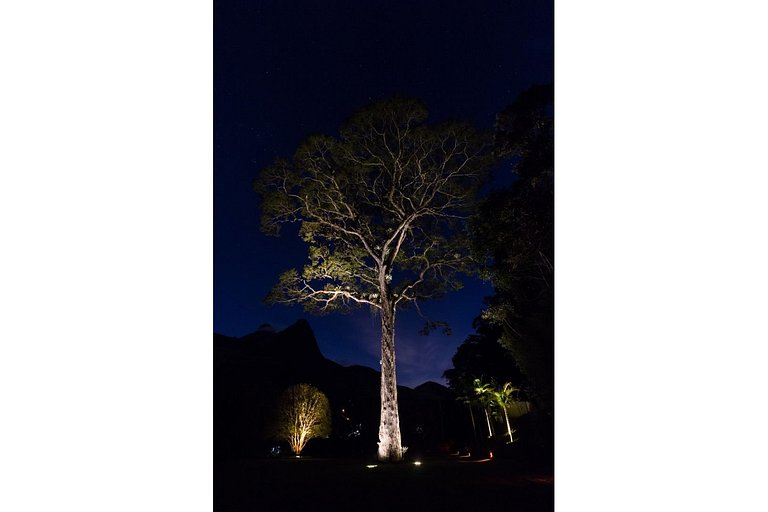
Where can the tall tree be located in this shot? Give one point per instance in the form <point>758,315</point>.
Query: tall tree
<point>383,208</point>
<point>505,395</point>
<point>485,399</point>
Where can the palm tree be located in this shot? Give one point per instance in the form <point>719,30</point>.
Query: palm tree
<point>504,396</point>
<point>485,399</point>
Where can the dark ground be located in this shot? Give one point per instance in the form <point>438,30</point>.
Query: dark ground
<point>438,484</point>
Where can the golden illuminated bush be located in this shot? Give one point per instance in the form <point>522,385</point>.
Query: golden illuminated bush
<point>303,413</point>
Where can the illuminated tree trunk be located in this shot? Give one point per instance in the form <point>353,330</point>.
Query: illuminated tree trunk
<point>509,428</point>
<point>488,419</point>
<point>390,448</point>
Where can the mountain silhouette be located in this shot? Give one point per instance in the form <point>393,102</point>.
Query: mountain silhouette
<point>251,371</point>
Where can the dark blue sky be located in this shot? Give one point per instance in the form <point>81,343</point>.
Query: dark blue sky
<point>284,70</point>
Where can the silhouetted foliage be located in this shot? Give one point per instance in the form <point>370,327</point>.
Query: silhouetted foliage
<point>483,376</point>
<point>482,356</point>
<point>514,234</point>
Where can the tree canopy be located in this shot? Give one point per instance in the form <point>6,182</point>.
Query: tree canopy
<point>385,200</point>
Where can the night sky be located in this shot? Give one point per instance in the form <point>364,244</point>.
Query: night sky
<point>284,70</point>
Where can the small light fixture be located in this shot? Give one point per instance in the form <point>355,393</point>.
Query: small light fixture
<point>417,463</point>
<point>369,466</point>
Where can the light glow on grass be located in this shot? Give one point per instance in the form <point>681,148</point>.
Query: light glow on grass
<point>369,466</point>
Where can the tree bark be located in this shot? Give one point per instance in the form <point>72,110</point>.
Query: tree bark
<point>488,419</point>
<point>390,447</point>
<point>509,428</point>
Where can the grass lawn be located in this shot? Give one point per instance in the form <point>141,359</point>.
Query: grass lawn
<point>347,484</point>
